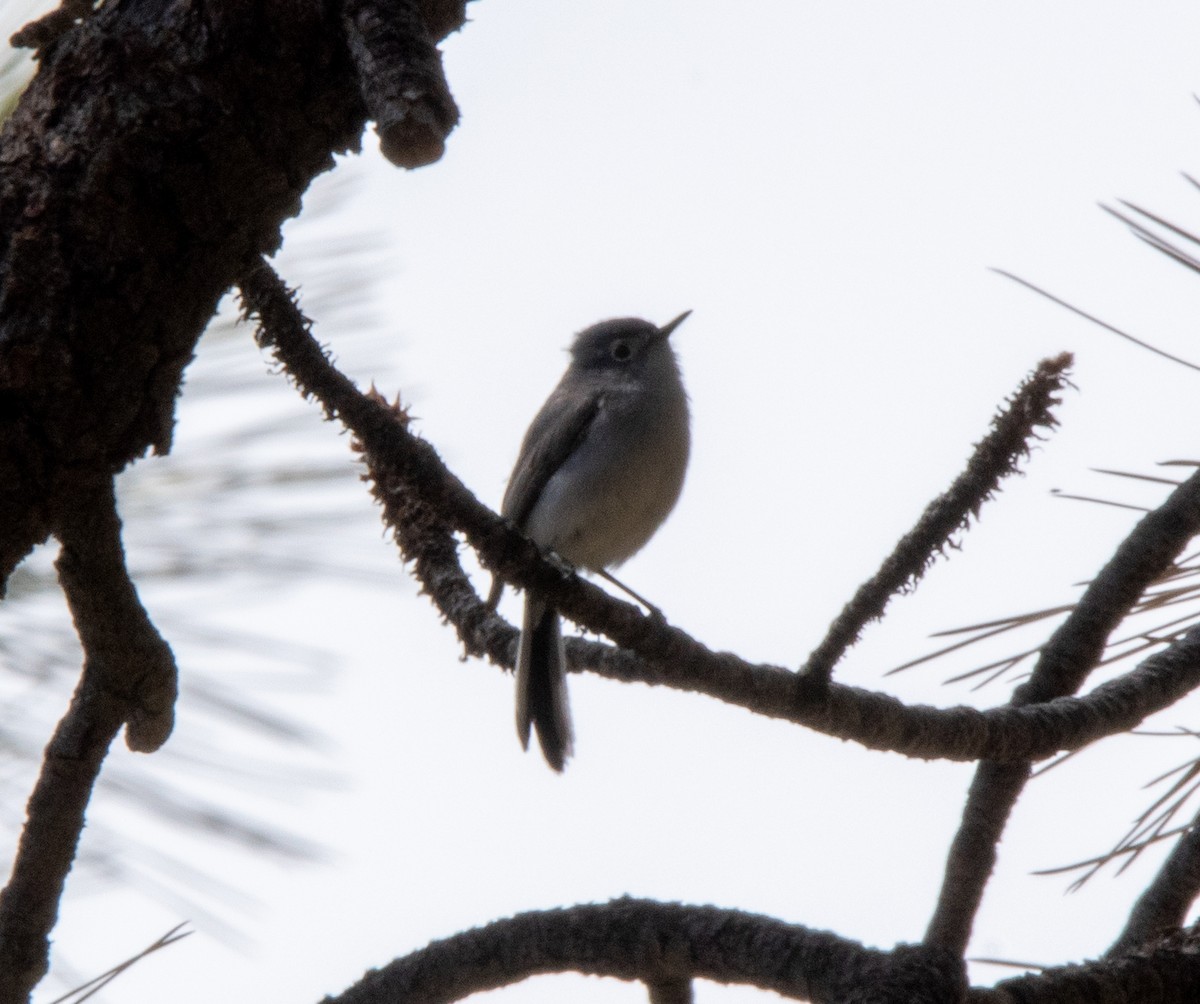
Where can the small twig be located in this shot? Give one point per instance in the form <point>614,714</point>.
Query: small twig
<point>1173,482</point>
<point>995,457</point>
<point>401,79</point>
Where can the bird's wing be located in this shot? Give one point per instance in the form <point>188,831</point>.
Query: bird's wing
<point>558,429</point>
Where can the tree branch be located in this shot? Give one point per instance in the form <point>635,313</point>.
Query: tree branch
<point>1169,974</point>
<point>1163,907</point>
<point>128,677</point>
<point>423,502</point>
<point>995,457</point>
<point>668,990</point>
<point>150,155</point>
<point>55,818</point>
<point>1071,652</point>
<point>632,939</point>
<point>400,73</point>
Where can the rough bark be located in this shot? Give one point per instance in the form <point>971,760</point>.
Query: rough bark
<point>161,146</point>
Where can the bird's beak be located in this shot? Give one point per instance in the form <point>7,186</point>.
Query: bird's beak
<point>666,329</point>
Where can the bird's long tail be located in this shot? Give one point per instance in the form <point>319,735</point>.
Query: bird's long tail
<point>542,684</point>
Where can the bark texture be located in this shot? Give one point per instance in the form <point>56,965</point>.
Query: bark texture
<point>159,148</point>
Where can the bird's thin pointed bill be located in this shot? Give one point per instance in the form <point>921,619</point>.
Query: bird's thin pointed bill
<point>666,329</point>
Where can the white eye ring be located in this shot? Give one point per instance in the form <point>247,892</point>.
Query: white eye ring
<point>621,350</point>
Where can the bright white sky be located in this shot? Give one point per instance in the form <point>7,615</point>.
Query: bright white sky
<point>825,185</point>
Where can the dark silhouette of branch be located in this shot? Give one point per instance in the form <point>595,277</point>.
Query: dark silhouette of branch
<point>73,193</point>
<point>124,654</point>
<point>423,502</point>
<point>1167,974</point>
<point>29,902</point>
<point>632,939</point>
<point>1163,906</point>
<point>400,73</point>
<point>1066,659</point>
<point>995,457</point>
<point>670,991</point>
<point>52,25</point>
<point>128,678</point>
<point>136,108</point>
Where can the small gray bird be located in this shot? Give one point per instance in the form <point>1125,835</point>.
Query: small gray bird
<point>600,468</point>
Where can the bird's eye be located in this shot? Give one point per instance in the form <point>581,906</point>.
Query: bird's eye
<point>621,350</point>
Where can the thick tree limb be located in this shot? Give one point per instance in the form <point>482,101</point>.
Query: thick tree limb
<point>1066,659</point>
<point>423,502</point>
<point>996,456</point>
<point>158,146</point>
<point>633,939</point>
<point>125,655</point>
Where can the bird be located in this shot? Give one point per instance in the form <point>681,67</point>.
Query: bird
<point>599,470</point>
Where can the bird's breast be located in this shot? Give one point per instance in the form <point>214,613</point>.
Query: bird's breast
<point>619,484</point>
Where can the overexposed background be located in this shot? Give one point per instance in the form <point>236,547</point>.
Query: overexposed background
<point>825,186</point>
